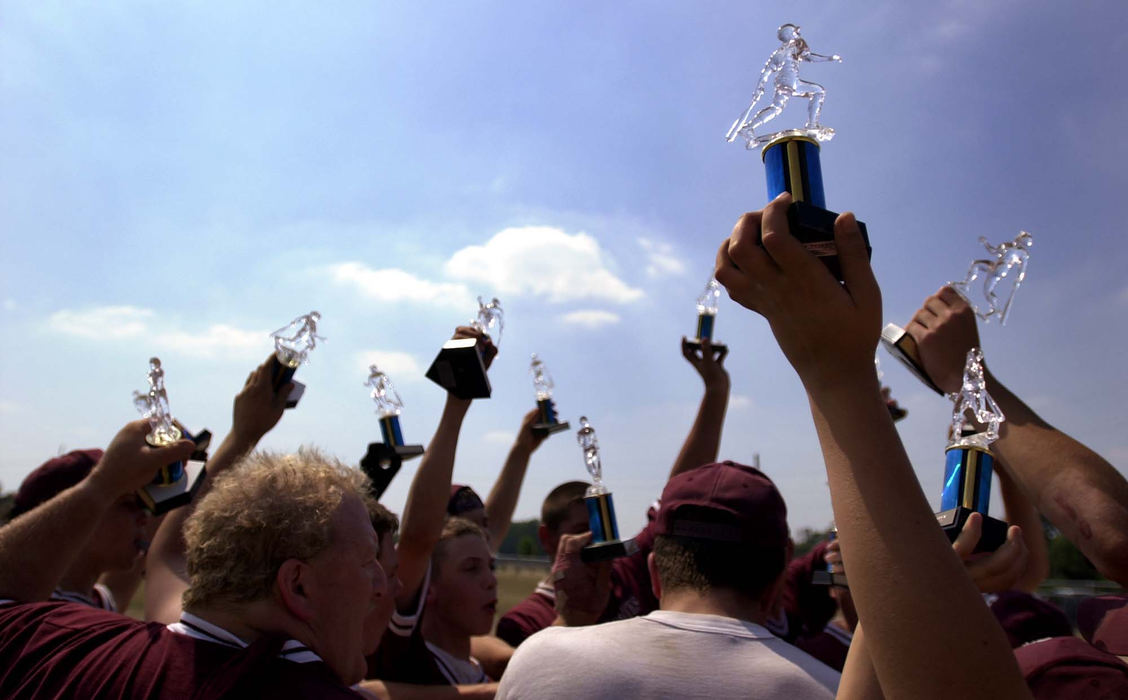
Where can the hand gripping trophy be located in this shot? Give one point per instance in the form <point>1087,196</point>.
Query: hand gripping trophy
<point>791,156</point>
<point>707,307</point>
<point>605,542</point>
<point>989,289</point>
<point>384,459</point>
<point>782,71</point>
<point>460,366</point>
<point>292,345</point>
<point>968,458</point>
<point>175,484</point>
<point>549,422</point>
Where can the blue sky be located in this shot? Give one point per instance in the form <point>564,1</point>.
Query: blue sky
<point>179,179</point>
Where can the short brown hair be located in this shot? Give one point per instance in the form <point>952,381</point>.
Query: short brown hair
<point>267,509</point>
<point>559,500</point>
<point>384,521</point>
<point>454,528</point>
<point>703,565</point>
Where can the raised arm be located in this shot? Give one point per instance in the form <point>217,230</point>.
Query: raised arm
<point>425,510</point>
<point>503,496</point>
<point>927,630</point>
<point>1078,491</point>
<point>38,547</point>
<point>256,410</point>
<point>1020,511</point>
<point>704,439</point>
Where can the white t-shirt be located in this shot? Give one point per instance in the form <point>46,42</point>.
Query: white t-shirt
<point>665,655</point>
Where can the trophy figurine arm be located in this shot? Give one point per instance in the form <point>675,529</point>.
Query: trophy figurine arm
<point>812,57</point>
<point>502,499</point>
<point>425,510</point>
<point>704,439</point>
<point>257,408</point>
<point>38,547</point>
<point>906,582</point>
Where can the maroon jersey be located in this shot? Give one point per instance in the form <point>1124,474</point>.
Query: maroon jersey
<point>631,594</point>
<point>68,650</point>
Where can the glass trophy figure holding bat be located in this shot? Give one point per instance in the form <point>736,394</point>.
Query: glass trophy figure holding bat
<point>292,345</point>
<point>460,366</point>
<point>605,542</point>
<point>547,420</point>
<point>384,459</point>
<point>175,484</point>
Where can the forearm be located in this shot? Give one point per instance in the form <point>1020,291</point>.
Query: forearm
<point>502,500</point>
<point>425,510</point>
<point>1078,491</point>
<point>859,680</point>
<point>704,439</point>
<point>904,575</point>
<point>1021,511</point>
<point>37,548</point>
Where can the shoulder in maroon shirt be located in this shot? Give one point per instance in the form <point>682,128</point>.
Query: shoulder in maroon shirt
<point>67,650</point>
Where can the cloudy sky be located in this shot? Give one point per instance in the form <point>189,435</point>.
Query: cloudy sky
<point>179,179</point>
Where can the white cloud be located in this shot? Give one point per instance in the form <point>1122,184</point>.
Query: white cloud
<point>661,261</point>
<point>109,323</point>
<point>102,322</point>
<point>590,318</point>
<point>498,437</point>
<point>544,261</point>
<point>391,284</point>
<point>401,367</point>
<point>739,401</point>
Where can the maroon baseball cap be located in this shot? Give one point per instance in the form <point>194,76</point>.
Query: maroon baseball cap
<point>52,478</point>
<point>1101,613</point>
<point>1026,618</point>
<point>463,499</point>
<point>1112,633</point>
<point>724,502</point>
<point>1069,667</point>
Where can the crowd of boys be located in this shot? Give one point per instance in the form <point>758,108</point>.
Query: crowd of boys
<point>286,578</point>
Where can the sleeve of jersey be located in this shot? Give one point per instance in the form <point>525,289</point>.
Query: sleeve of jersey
<point>403,624</point>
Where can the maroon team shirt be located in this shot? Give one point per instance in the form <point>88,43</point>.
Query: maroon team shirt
<point>68,650</point>
<point>631,594</point>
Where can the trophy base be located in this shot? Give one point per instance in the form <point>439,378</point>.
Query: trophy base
<point>825,578</point>
<point>459,369</point>
<point>161,498</point>
<point>901,345</point>
<point>280,375</point>
<point>814,227</point>
<point>549,428</point>
<point>994,530</point>
<point>606,551</point>
<point>382,463</point>
<point>717,347</point>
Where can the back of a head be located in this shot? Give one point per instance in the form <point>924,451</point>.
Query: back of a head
<point>559,500</point>
<point>266,510</point>
<point>52,478</point>
<point>721,526</point>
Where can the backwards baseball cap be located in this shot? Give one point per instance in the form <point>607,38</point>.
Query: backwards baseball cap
<point>1026,618</point>
<point>52,478</point>
<point>463,499</point>
<point>724,502</point>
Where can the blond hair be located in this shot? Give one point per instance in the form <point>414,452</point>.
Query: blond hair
<point>268,508</point>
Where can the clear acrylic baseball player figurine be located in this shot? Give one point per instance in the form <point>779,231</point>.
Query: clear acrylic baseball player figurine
<point>782,71</point>
<point>1001,277</point>
<point>293,342</point>
<point>490,320</point>
<point>973,399</point>
<point>586,437</point>
<point>388,401</point>
<point>153,405</point>
<point>542,380</point>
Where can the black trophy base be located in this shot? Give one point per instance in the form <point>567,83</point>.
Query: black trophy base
<point>606,551</point>
<point>549,428</point>
<point>901,345</point>
<point>825,578</point>
<point>994,530</point>
<point>161,498</point>
<point>718,348</point>
<point>280,375</point>
<point>459,369</point>
<point>814,227</point>
<point>382,462</point>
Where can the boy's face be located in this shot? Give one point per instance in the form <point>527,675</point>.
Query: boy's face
<point>463,589</point>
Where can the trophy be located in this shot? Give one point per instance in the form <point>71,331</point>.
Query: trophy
<point>177,483</point>
<point>549,422</point>
<point>605,542</point>
<point>968,459</point>
<point>383,459</point>
<point>460,367</point>
<point>791,156</point>
<point>707,305</point>
<point>292,345</point>
<point>988,288</point>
